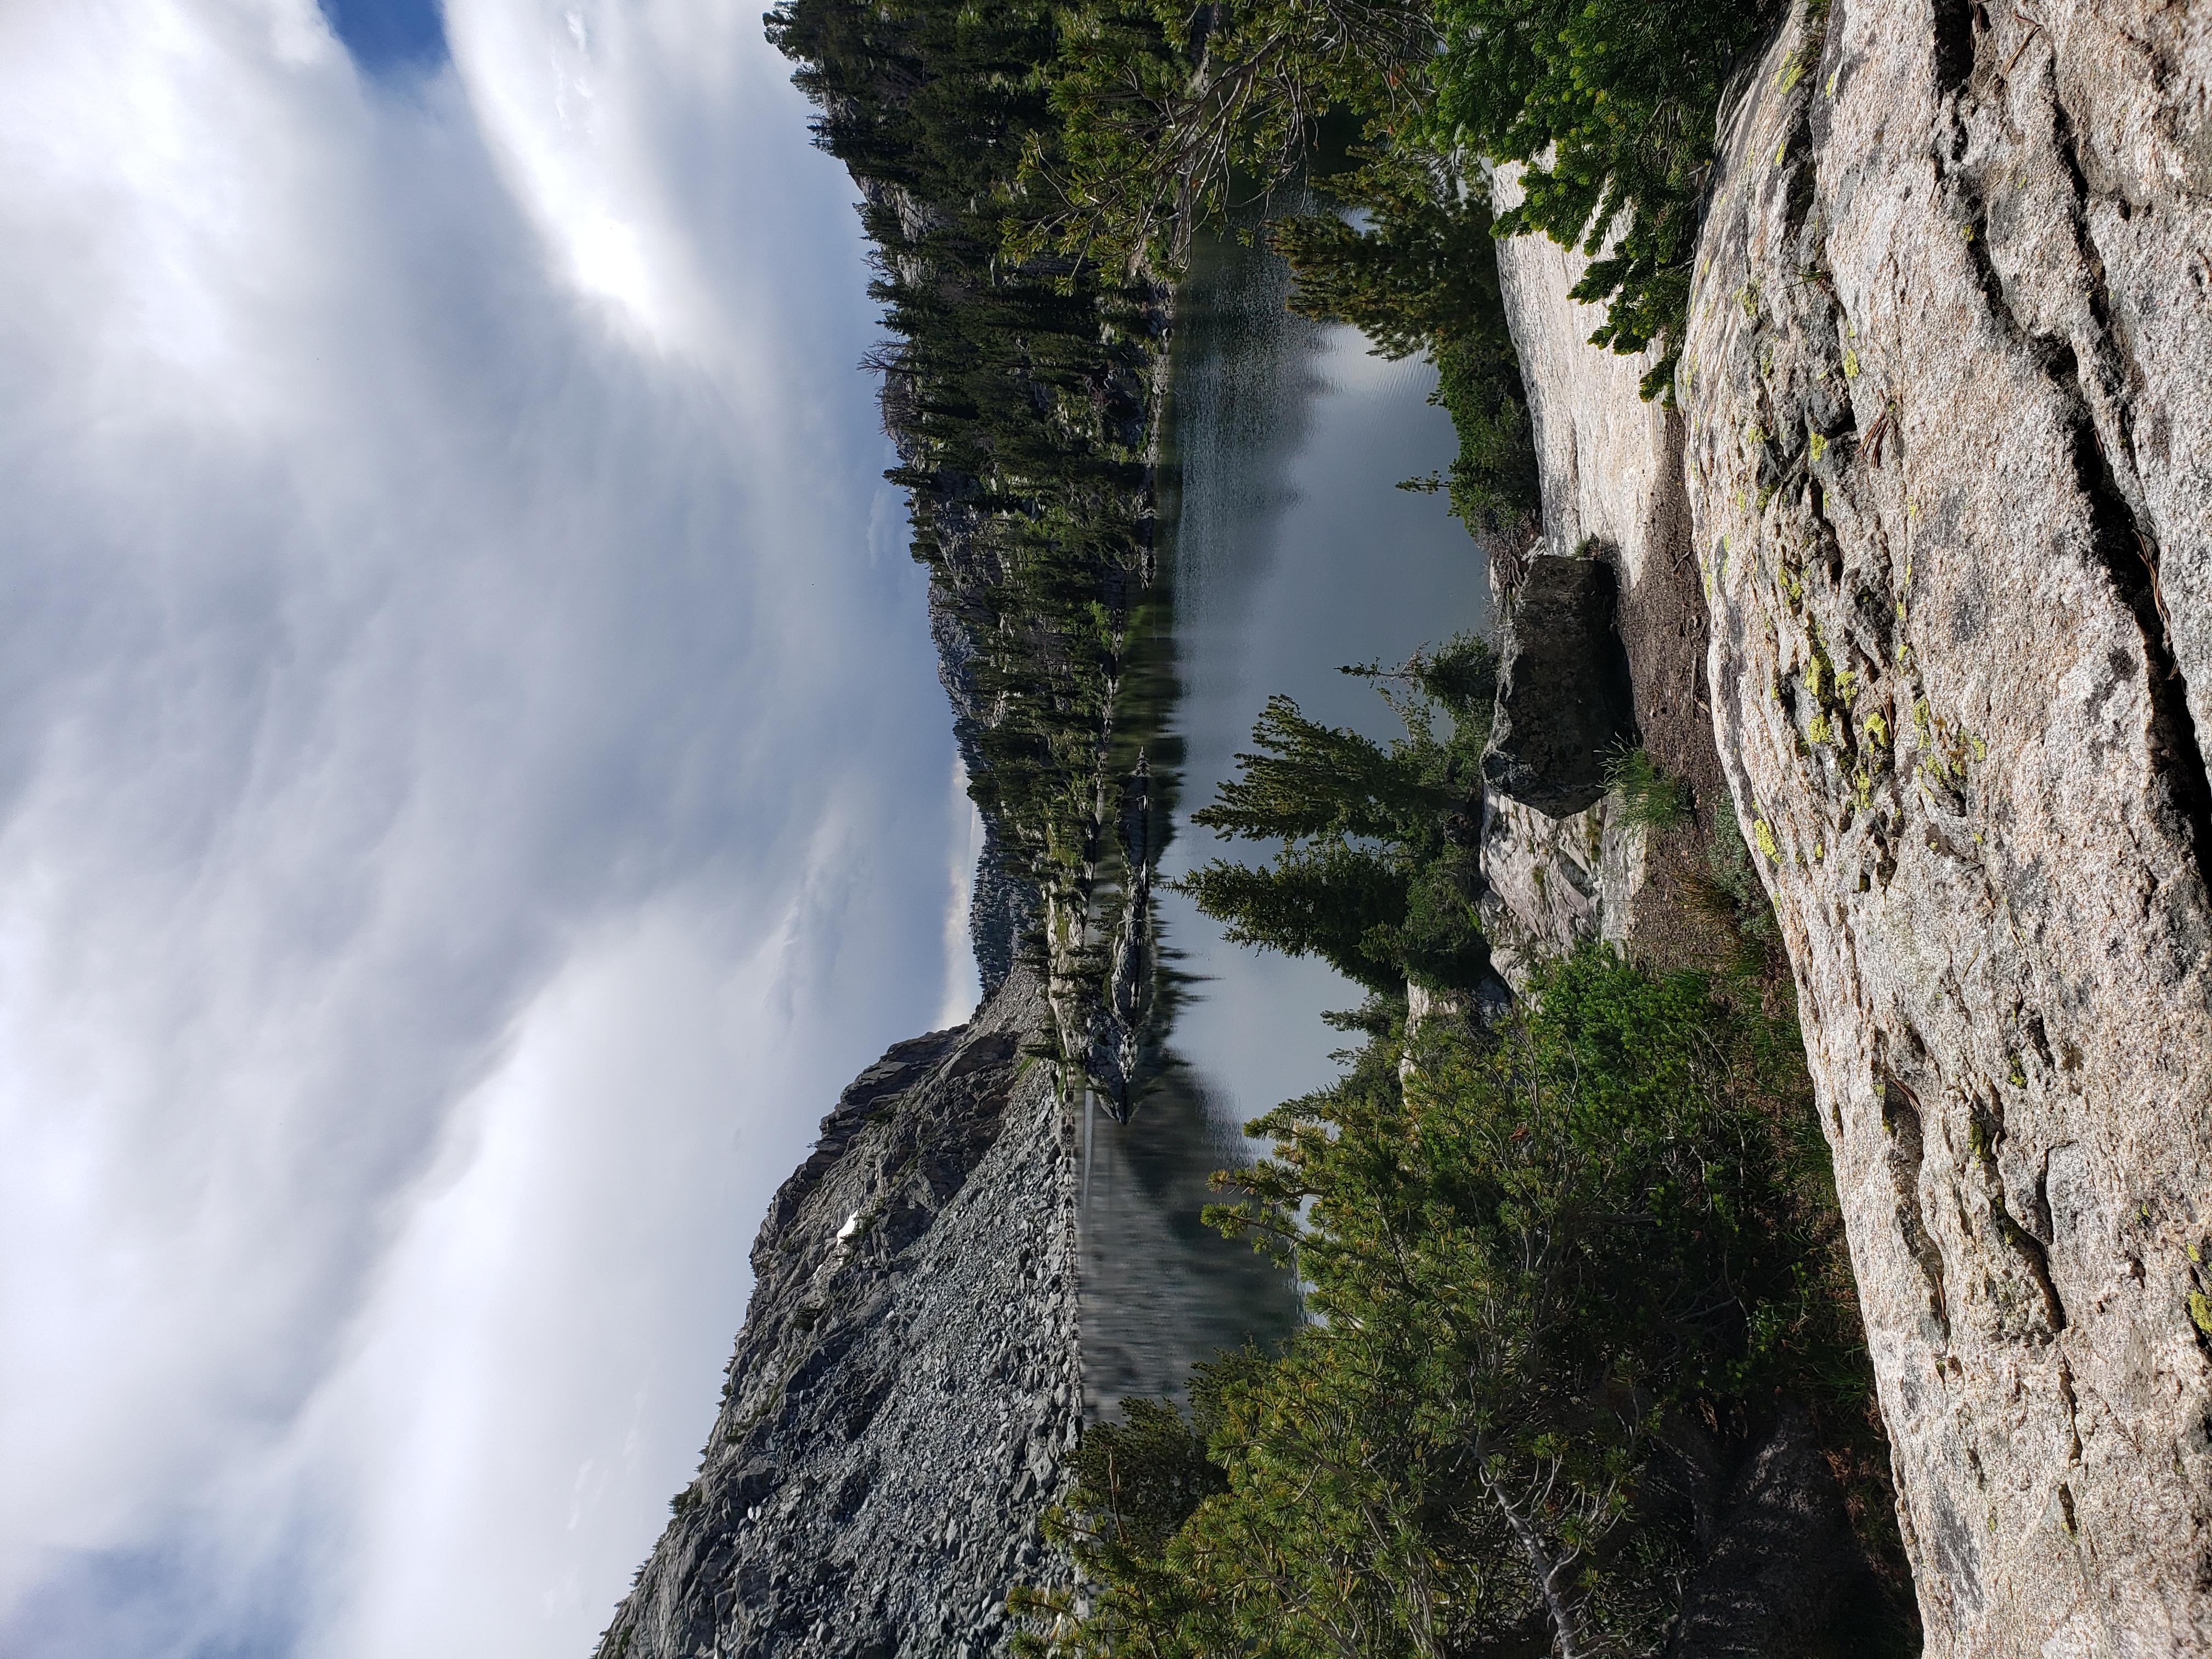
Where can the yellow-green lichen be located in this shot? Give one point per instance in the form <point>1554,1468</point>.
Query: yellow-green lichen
<point>1764,838</point>
<point>1818,730</point>
<point>2200,1310</point>
<point>1820,445</point>
<point>1878,729</point>
<point>1850,364</point>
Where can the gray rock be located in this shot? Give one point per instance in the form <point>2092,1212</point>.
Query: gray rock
<point>1553,884</point>
<point>1949,387</point>
<point>1610,465</point>
<point>1783,1557</point>
<point>907,1381</point>
<point>1610,468</point>
<point>1563,697</point>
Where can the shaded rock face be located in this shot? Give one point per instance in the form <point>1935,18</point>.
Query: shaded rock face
<point>1948,385</point>
<point>907,1381</point>
<point>1563,697</point>
<point>1781,1568</point>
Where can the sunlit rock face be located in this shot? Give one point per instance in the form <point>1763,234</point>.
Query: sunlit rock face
<point>908,1380</point>
<point>1566,869</point>
<point>1947,389</point>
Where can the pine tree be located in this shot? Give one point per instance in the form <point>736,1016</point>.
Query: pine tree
<point>1324,898</point>
<point>1308,780</point>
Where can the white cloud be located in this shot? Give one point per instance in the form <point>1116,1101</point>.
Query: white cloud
<point>460,746</point>
<point>964,985</point>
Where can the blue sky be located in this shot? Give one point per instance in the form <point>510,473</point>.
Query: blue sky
<point>384,36</point>
<point>473,788</point>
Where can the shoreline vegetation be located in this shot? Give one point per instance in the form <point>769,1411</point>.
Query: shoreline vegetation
<point>1571,1262</point>
<point>1564,1261</point>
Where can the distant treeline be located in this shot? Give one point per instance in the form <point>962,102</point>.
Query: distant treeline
<point>1019,394</point>
<point>1008,158</point>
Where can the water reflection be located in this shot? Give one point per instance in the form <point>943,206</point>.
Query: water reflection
<point>1291,554</point>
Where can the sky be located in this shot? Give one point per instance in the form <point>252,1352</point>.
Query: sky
<point>473,787</point>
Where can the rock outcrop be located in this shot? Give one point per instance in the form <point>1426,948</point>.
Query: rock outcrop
<point>1550,884</point>
<point>1948,384</point>
<point>907,1379</point>
<point>1610,463</point>
<point>1778,1567</point>
<point>1563,697</point>
<point>1610,470</point>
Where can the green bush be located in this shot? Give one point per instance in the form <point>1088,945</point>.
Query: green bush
<point>1524,1254</point>
<point>1492,482</point>
<point>1650,798</point>
<point>1326,898</point>
<point>1161,108</point>
<point>1612,104</point>
<point>1374,873</point>
<point>1421,269</point>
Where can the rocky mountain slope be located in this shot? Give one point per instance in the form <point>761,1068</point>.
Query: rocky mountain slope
<point>907,1380</point>
<point>1947,393</point>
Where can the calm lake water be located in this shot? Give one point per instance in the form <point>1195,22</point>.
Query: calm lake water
<point>1291,553</point>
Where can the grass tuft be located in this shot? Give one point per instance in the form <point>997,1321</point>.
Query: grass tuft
<point>1652,797</point>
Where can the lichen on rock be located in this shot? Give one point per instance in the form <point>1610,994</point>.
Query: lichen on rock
<point>1946,402</point>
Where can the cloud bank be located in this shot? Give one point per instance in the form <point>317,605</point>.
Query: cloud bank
<point>472,786</point>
